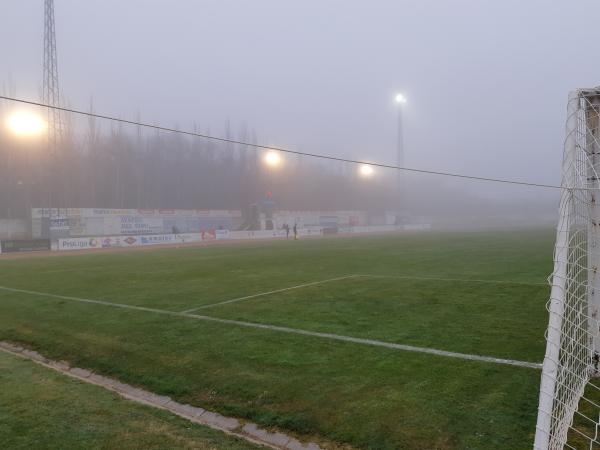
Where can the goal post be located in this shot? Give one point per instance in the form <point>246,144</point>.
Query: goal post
<point>567,416</point>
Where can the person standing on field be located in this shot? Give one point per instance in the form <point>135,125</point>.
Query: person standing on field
<point>295,231</point>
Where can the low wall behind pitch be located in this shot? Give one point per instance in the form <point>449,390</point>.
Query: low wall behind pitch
<point>133,241</point>
<point>97,242</point>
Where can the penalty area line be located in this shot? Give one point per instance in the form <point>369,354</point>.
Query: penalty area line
<point>466,280</point>
<point>296,331</point>
<point>261,294</point>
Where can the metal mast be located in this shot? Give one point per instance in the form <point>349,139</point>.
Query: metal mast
<point>400,158</point>
<point>51,97</point>
<point>50,90</point>
<point>400,176</point>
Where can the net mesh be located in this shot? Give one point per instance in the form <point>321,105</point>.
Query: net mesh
<point>569,407</point>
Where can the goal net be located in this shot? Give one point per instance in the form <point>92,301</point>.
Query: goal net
<point>569,403</point>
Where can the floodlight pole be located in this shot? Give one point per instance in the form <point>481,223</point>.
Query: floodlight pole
<point>400,159</point>
<point>400,143</point>
<point>51,97</point>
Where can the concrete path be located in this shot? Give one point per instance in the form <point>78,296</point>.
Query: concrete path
<point>247,430</point>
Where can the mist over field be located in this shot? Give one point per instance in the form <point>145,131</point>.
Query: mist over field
<point>485,84</point>
<point>298,224</point>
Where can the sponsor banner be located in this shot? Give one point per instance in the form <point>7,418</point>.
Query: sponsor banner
<point>155,239</point>
<point>187,237</point>
<point>146,212</point>
<point>310,231</point>
<point>222,234</point>
<point>95,212</point>
<point>324,218</point>
<point>38,213</point>
<point>209,235</point>
<point>78,227</point>
<point>113,241</point>
<point>110,225</point>
<point>79,243</point>
<point>59,224</point>
<point>125,241</point>
<point>217,213</point>
<point>416,226</point>
<point>141,225</point>
<point>135,241</point>
<point>28,245</point>
<point>267,234</point>
<point>258,234</point>
<point>386,228</point>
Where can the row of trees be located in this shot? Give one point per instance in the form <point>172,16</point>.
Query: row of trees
<point>109,165</point>
<point>105,164</point>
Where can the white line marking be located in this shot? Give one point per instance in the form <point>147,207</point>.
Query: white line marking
<point>248,297</point>
<point>468,280</point>
<point>330,336</point>
<point>72,269</point>
<point>132,273</point>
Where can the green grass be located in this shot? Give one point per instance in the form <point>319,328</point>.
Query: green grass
<point>415,312</point>
<point>366,396</point>
<point>40,408</point>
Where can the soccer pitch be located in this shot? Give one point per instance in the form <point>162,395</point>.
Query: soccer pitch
<point>358,340</point>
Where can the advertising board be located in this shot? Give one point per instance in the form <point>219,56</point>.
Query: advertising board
<point>126,241</point>
<point>59,224</point>
<point>222,234</point>
<point>140,225</point>
<point>208,235</point>
<point>28,245</point>
<point>79,243</point>
<point>155,239</point>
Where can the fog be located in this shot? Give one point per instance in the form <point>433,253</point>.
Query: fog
<point>486,86</point>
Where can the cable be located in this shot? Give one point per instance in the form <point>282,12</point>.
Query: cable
<point>280,149</point>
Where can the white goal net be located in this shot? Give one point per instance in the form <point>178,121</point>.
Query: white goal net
<point>569,404</point>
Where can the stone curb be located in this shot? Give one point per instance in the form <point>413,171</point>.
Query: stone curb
<point>229,425</point>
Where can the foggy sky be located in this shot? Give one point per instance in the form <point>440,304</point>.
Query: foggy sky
<point>486,82</point>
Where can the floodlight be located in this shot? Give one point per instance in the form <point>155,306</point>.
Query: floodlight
<point>400,98</point>
<point>272,159</point>
<point>366,170</point>
<point>26,123</point>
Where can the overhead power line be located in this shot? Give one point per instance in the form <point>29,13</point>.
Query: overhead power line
<point>280,149</point>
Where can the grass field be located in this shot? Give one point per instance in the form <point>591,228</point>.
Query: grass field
<point>40,408</point>
<point>473,293</point>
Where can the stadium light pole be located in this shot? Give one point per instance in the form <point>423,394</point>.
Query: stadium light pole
<point>400,102</point>
<point>272,159</point>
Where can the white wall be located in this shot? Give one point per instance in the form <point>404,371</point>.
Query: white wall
<point>13,229</point>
